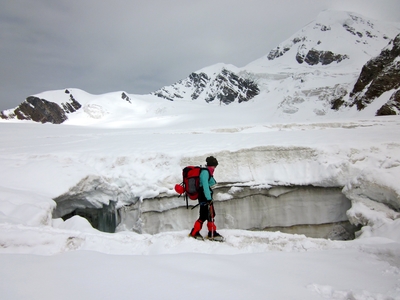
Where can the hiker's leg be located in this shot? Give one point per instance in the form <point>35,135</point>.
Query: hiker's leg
<point>196,227</point>
<point>211,226</point>
<point>203,215</point>
<point>210,218</point>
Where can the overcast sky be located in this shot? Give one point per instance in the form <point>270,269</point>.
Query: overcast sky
<point>140,46</point>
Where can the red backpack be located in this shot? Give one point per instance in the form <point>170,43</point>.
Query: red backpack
<point>191,183</point>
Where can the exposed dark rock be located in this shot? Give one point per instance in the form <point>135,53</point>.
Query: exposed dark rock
<point>126,97</point>
<point>230,87</point>
<point>392,107</point>
<point>199,82</point>
<point>298,40</point>
<point>378,75</point>
<point>337,103</point>
<point>352,30</point>
<point>277,52</point>
<point>4,116</point>
<point>196,81</point>
<point>162,94</point>
<point>299,58</point>
<point>227,87</point>
<point>325,28</point>
<point>314,57</point>
<point>72,106</point>
<point>281,50</point>
<point>385,110</point>
<point>375,66</point>
<point>40,110</point>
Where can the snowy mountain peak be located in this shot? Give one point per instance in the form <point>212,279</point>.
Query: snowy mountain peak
<point>334,37</point>
<point>216,83</point>
<point>55,106</point>
<point>311,74</point>
<point>318,64</point>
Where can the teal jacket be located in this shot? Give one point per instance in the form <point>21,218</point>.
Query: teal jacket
<point>206,182</point>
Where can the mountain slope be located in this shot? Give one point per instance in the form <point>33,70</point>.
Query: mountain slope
<point>379,75</point>
<point>312,74</point>
<point>55,106</point>
<point>336,39</point>
<point>220,82</point>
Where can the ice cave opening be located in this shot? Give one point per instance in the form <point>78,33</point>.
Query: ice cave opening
<point>318,212</point>
<point>103,219</point>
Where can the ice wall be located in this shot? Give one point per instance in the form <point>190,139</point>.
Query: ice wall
<point>289,187</point>
<point>254,208</point>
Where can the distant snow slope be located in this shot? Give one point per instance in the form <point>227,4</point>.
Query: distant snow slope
<point>352,36</point>
<point>307,74</point>
<point>129,149</point>
<point>311,74</point>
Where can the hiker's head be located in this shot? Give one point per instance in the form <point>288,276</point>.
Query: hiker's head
<point>211,161</point>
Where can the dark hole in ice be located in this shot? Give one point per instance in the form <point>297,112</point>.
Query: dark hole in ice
<point>103,219</point>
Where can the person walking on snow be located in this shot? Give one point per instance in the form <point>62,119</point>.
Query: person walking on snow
<point>206,211</point>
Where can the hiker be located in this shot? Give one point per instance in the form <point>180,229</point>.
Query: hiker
<point>206,211</point>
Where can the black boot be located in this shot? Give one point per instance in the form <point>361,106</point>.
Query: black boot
<point>196,236</point>
<point>215,236</point>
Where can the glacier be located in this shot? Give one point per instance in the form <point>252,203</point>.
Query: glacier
<point>287,164</point>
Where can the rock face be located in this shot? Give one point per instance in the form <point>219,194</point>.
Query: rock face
<point>310,74</point>
<point>38,110</point>
<point>392,107</point>
<point>311,51</point>
<point>315,57</point>
<point>42,110</point>
<point>379,75</point>
<point>224,86</point>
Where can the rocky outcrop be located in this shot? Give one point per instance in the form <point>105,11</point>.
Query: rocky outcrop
<point>313,44</point>
<point>379,75</point>
<point>226,87</point>
<point>38,110</point>
<point>199,82</point>
<point>315,57</point>
<point>196,83</point>
<point>282,49</point>
<point>42,110</point>
<point>229,87</point>
<point>311,57</point>
<point>72,105</point>
<point>125,97</point>
<point>392,107</point>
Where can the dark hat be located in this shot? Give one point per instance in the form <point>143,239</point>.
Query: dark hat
<point>211,161</point>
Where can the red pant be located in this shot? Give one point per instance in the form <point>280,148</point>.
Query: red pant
<point>207,212</point>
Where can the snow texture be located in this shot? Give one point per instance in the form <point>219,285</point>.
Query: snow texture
<point>132,151</point>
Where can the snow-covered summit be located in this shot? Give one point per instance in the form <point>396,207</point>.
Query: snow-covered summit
<point>309,75</point>
<point>305,76</point>
<point>218,83</point>
<point>59,183</point>
<point>335,39</point>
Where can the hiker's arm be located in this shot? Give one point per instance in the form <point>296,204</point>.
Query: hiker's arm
<point>204,175</point>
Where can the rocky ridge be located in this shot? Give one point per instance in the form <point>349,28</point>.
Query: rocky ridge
<point>224,86</point>
<point>379,75</point>
<point>314,71</point>
<point>42,110</point>
<point>45,111</point>
<point>317,43</point>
